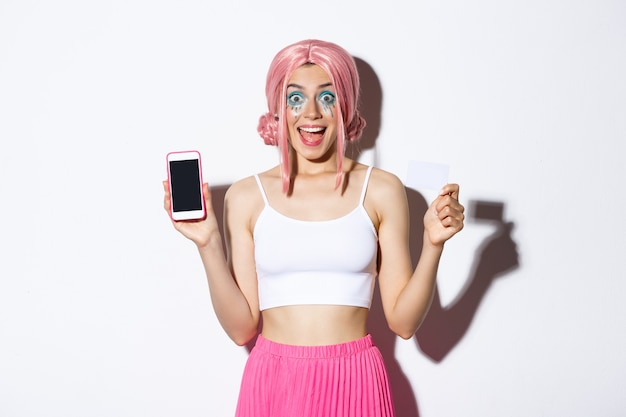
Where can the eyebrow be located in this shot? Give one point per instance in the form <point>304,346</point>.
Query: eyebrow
<point>298,86</point>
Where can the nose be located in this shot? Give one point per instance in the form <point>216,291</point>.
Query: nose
<point>312,110</point>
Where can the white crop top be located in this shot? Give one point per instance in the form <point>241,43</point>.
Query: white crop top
<point>315,262</point>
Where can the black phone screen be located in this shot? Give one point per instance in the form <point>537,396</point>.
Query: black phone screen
<point>185,183</point>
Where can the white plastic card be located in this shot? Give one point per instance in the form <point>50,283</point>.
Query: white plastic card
<point>427,175</point>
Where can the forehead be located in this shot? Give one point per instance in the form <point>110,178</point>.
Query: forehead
<point>309,75</point>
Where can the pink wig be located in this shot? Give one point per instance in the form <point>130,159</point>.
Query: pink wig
<point>342,71</point>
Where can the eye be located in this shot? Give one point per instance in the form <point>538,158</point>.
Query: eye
<point>295,99</point>
<point>327,98</point>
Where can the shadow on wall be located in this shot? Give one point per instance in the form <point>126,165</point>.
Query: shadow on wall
<point>443,328</point>
<point>370,107</point>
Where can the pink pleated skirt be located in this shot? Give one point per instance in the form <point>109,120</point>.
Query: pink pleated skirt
<point>344,380</point>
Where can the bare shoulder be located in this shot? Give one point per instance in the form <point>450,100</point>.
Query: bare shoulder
<point>386,197</point>
<point>242,189</point>
<point>243,200</point>
<point>385,185</point>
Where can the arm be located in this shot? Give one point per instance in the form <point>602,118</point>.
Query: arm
<point>406,293</point>
<point>232,282</point>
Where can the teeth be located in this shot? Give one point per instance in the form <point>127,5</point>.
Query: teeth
<point>312,129</point>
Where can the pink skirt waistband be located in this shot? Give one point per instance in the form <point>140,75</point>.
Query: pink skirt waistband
<point>322,351</point>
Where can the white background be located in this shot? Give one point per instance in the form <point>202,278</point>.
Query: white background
<point>104,308</point>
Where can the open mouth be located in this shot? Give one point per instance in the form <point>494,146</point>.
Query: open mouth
<point>311,135</point>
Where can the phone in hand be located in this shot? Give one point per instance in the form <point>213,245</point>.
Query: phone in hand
<point>184,175</point>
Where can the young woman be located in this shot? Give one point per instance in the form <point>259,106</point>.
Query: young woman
<point>306,241</point>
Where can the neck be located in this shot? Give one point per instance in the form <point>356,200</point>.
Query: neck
<point>303,166</point>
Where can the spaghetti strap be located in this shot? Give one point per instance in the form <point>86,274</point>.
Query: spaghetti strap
<point>261,189</point>
<point>365,182</point>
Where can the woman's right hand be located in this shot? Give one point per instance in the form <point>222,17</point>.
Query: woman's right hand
<point>199,231</point>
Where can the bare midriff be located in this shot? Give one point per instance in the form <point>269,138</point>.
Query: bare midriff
<point>314,325</point>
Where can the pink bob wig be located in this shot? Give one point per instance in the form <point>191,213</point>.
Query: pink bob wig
<point>342,71</point>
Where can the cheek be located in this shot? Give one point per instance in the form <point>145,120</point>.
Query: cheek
<point>291,117</point>
<point>329,109</point>
<point>292,114</point>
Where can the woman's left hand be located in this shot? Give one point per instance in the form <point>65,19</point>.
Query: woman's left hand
<point>444,218</point>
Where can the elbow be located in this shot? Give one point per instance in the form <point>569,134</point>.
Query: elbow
<point>242,340</point>
<point>406,335</point>
<point>242,331</point>
<point>404,329</point>
<point>405,332</point>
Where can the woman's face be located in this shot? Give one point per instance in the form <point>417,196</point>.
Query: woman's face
<point>311,113</point>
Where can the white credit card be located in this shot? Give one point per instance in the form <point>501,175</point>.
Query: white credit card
<point>427,175</point>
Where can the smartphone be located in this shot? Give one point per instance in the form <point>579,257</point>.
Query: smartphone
<point>184,175</point>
